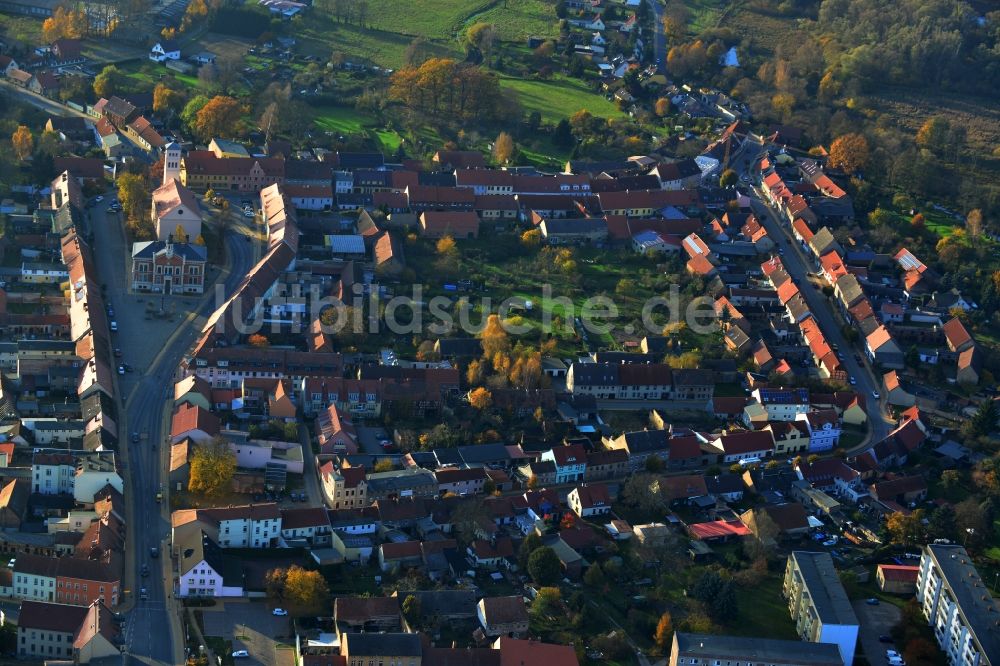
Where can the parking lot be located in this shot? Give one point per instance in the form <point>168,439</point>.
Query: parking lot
<point>253,628</point>
<point>875,621</point>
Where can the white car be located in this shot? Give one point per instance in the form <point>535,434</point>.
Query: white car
<point>114,326</point>
<point>240,654</point>
<point>875,395</point>
<point>248,213</point>
<point>281,612</point>
<point>852,380</point>
<point>98,198</point>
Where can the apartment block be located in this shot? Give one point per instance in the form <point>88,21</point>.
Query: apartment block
<point>818,603</point>
<point>959,607</point>
<point>712,650</point>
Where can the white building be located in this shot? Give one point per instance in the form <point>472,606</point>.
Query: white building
<point>818,604</point>
<point>173,204</point>
<point>93,473</point>
<point>165,49</point>
<point>53,472</point>
<point>824,429</point>
<point>247,526</point>
<point>204,570</point>
<point>958,606</point>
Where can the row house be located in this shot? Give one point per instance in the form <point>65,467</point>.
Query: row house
<point>461,482</point>
<point>69,580</point>
<point>570,462</point>
<point>344,488</point>
<point>247,526</point>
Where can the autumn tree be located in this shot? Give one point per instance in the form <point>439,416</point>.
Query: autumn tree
<point>446,246</point>
<point>384,465</point>
<point>108,82</point>
<point>905,529</point>
<point>219,117</point>
<point>849,152</point>
<point>65,23</point>
<point>531,238</point>
<point>494,338</point>
<point>664,631</point>
<point>212,467</point>
<point>133,193</point>
<point>445,88</point>
<point>166,98</point>
<point>258,340</point>
<point>503,148</point>
<point>662,107</point>
<point>481,398</point>
<point>933,134</point>
<point>974,223</point>
<point>481,37</point>
<point>411,610</point>
<point>306,590</point>
<point>24,142</point>
<point>728,178</point>
<point>475,373</point>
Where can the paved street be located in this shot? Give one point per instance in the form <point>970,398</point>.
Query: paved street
<point>38,101</point>
<point>822,308</point>
<point>659,36</point>
<point>875,621</point>
<point>251,627</point>
<point>155,347</point>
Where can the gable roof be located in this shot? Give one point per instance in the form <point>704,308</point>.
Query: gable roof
<point>956,334</point>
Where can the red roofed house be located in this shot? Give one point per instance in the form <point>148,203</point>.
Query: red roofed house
<point>589,500</point>
<point>191,421</point>
<point>570,462</point>
<point>832,266</point>
<point>956,335</point>
<point>457,224</point>
<point>895,393</point>
<point>897,578</point>
<point>517,652</point>
<point>720,530</point>
<point>882,349</point>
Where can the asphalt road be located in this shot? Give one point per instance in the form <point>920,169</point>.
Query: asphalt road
<point>659,36</point>
<point>147,628</point>
<point>822,309</point>
<point>38,101</point>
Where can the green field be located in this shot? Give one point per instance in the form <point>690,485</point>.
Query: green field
<point>145,74</point>
<point>559,97</point>
<point>520,19</point>
<point>348,120</point>
<point>20,28</point>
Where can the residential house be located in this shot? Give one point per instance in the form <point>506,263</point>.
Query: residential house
<point>165,49</point>
<point>502,616</point>
<point>589,500</point>
<point>344,487</point>
<point>457,224</point>
<point>204,570</point>
<point>570,462</point>
<point>77,634</point>
<point>883,350</point>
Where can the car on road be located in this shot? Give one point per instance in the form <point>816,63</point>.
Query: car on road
<point>875,395</point>
<point>121,369</point>
<point>248,213</point>
<point>852,380</point>
<point>143,594</point>
<point>98,198</point>
<point>891,653</point>
<point>241,654</point>
<point>871,601</point>
<point>145,570</point>
<point>118,352</point>
<point>159,497</point>
<point>135,438</point>
<point>114,326</point>
<point>280,612</point>
<point>154,552</point>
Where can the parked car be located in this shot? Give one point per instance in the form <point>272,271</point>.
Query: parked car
<point>280,612</point>
<point>121,369</point>
<point>118,352</point>
<point>852,380</point>
<point>875,395</point>
<point>154,552</point>
<point>135,438</point>
<point>830,542</point>
<point>241,654</point>
<point>889,654</point>
<point>114,326</point>
<point>871,601</point>
<point>145,570</point>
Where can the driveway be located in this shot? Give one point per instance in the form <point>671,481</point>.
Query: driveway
<point>875,621</point>
<point>251,627</point>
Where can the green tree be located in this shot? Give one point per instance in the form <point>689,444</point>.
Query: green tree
<point>595,576</point>
<point>109,82</point>
<point>530,544</point>
<point>544,566</point>
<point>728,178</point>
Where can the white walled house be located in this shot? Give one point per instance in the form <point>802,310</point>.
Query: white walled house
<point>310,523</point>
<point>53,472</point>
<point>824,429</point>
<point>204,570</point>
<point>249,526</point>
<point>165,49</point>
<point>589,500</point>
<point>92,474</point>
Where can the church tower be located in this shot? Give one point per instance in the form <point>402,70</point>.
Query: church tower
<point>171,162</point>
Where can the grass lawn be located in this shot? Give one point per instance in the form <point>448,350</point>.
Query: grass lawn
<point>435,18</point>
<point>762,611</point>
<point>520,19</point>
<point>559,98</point>
<point>321,35</point>
<point>21,28</point>
<point>348,120</point>
<point>145,74</point>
